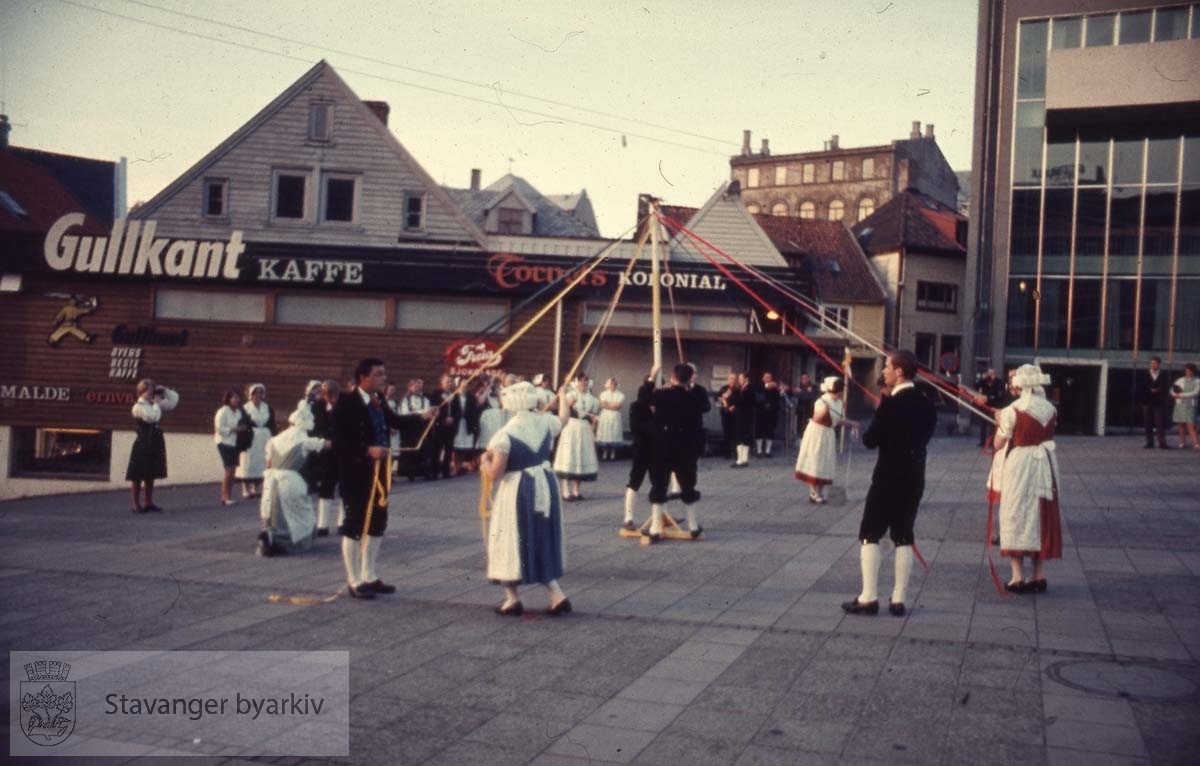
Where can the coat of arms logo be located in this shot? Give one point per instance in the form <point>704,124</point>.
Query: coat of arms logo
<point>46,700</point>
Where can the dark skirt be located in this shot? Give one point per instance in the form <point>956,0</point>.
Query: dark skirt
<point>148,457</point>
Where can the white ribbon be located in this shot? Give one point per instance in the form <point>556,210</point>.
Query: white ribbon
<point>1045,468</point>
<point>541,487</point>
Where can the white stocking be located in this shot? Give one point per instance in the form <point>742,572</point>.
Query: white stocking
<point>370,555</point>
<point>869,561</point>
<point>341,506</point>
<point>352,558</point>
<point>904,565</point>
<point>630,501</point>
<point>673,488</point>
<point>690,508</point>
<point>656,514</point>
<point>323,512</point>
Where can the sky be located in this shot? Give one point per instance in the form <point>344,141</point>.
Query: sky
<point>618,98</point>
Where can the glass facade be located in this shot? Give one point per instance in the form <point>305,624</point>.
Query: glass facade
<point>1104,227</point>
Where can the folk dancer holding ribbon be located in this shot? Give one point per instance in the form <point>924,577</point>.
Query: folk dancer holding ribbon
<point>817,459</point>
<point>1029,488</point>
<point>903,425</point>
<point>524,530</point>
<point>361,444</point>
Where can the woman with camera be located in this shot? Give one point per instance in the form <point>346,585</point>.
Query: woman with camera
<point>148,457</point>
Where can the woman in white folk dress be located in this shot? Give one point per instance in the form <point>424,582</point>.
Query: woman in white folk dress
<point>610,432</point>
<point>288,516</point>
<point>575,459</point>
<point>817,459</point>
<point>261,419</point>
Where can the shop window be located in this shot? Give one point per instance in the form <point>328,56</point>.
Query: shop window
<point>1027,143</point>
<point>473,316</point>
<point>330,312</point>
<point>338,199</point>
<point>781,175</point>
<point>1022,306</point>
<point>290,193</point>
<point>752,178</point>
<point>1162,161</point>
<point>320,121</point>
<point>209,306</point>
<point>837,210</point>
<point>216,198</point>
<point>937,296</point>
<point>74,453</point>
<point>714,321</point>
<point>808,173</point>
<point>808,210</point>
<point>839,170</point>
<point>414,211</point>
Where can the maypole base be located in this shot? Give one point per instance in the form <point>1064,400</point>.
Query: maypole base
<point>671,531</point>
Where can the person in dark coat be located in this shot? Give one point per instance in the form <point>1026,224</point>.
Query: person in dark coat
<point>742,406</point>
<point>725,398</point>
<point>991,395</point>
<point>678,413</point>
<point>641,425</point>
<point>806,395</point>
<point>324,463</point>
<point>1153,387</point>
<point>361,443</point>
<point>766,414</point>
<point>442,435</point>
<point>903,425</point>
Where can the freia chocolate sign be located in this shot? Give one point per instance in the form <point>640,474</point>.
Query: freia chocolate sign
<point>468,357</point>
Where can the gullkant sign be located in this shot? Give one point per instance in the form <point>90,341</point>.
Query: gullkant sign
<point>132,249</point>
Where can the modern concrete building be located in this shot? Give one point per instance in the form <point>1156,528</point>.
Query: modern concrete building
<point>1085,202</point>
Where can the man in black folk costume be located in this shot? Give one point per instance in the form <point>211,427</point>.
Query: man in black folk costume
<point>903,425</point>
<point>678,415</point>
<point>641,424</point>
<point>360,441</point>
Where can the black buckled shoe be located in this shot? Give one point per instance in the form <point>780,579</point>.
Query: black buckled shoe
<point>514,610</point>
<point>695,533</point>
<point>896,609</point>
<point>653,538</point>
<point>857,607</point>
<point>361,591</point>
<point>1016,587</point>
<point>629,526</point>
<point>379,586</point>
<point>561,608</point>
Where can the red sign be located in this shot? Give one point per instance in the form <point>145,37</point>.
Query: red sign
<point>508,270</point>
<point>465,357</point>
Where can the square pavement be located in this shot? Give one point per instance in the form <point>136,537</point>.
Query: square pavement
<point>728,650</point>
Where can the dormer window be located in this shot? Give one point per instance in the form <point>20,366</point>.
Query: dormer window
<point>320,121</point>
<point>510,220</point>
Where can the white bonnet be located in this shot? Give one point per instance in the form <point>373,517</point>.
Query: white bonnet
<point>1030,376</point>
<point>522,396</point>
<point>827,383</point>
<point>250,389</point>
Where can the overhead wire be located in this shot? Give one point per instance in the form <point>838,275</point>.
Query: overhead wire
<point>488,102</point>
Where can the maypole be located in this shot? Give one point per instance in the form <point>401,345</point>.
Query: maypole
<point>655,299</point>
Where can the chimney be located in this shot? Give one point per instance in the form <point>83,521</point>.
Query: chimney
<point>475,173</point>
<point>4,129</point>
<point>380,108</point>
<point>916,131</point>
<point>833,142</point>
<point>745,143</point>
<point>766,148</point>
<point>929,130</point>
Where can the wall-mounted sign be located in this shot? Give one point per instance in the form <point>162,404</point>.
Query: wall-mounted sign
<point>509,271</point>
<point>469,357</point>
<point>124,363</point>
<point>35,393</point>
<point>148,336</point>
<point>131,248</point>
<point>310,271</point>
<point>66,322</point>
<point>127,398</point>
